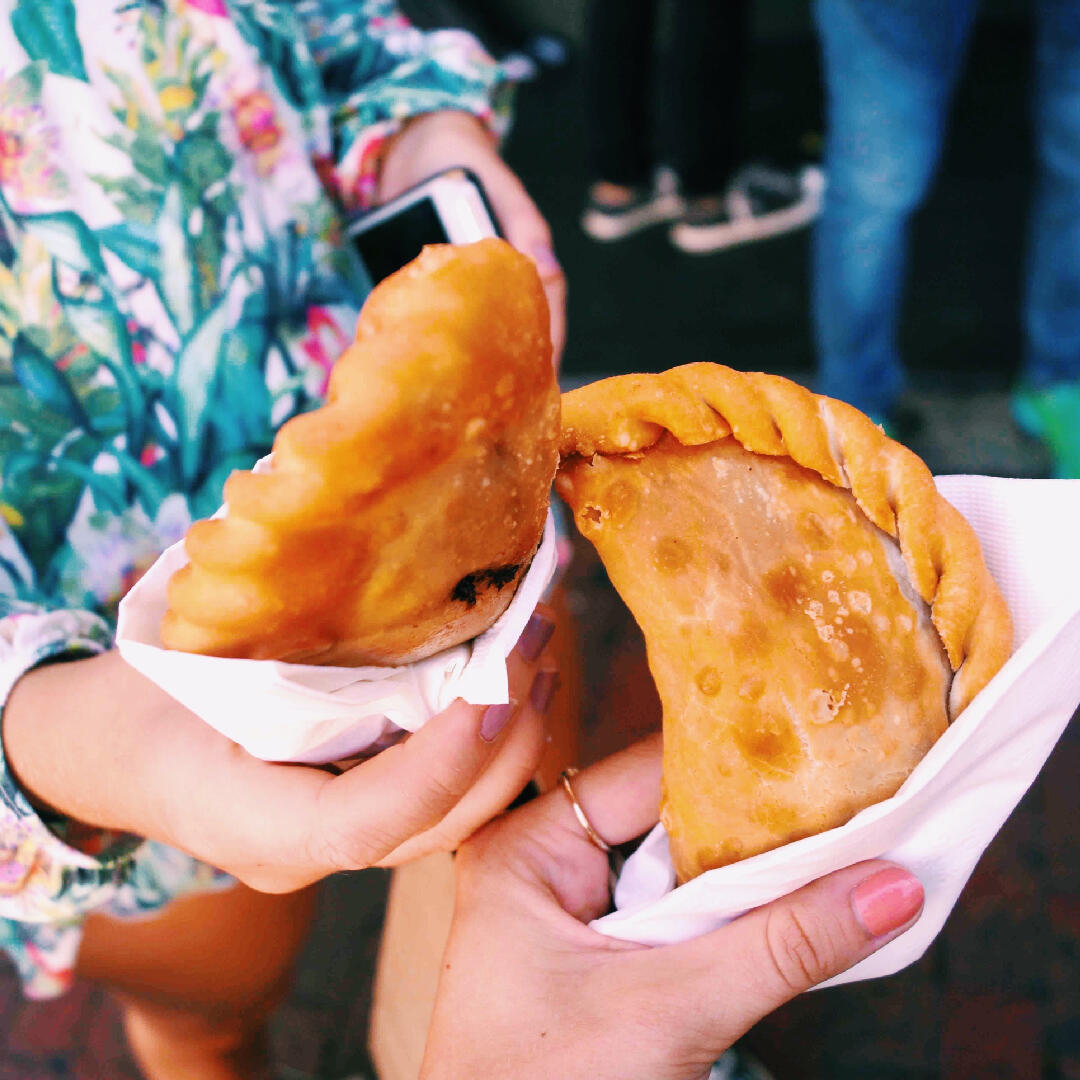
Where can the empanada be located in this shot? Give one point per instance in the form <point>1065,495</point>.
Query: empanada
<point>815,613</point>
<point>397,519</point>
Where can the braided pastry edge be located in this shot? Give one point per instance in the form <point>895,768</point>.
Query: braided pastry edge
<point>767,414</point>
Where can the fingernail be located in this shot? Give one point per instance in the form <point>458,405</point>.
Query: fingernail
<point>535,636</point>
<point>886,900</point>
<point>543,690</point>
<point>546,263</point>
<point>495,718</point>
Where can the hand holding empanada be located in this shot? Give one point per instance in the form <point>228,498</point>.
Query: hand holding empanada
<point>815,612</point>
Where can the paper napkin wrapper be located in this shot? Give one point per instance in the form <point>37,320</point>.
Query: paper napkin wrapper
<point>949,809</point>
<point>305,712</point>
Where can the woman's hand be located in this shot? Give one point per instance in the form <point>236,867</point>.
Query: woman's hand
<point>98,742</point>
<point>529,991</point>
<point>440,140</point>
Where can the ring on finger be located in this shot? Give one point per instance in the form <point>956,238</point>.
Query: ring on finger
<point>597,840</point>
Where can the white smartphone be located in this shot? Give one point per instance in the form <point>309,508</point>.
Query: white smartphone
<point>449,208</point>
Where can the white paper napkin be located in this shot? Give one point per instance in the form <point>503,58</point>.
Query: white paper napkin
<point>303,712</point>
<point>945,815</point>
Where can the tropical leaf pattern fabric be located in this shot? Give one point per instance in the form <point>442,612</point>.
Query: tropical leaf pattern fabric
<point>173,286</point>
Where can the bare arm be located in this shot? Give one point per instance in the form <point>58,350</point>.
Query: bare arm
<point>94,740</point>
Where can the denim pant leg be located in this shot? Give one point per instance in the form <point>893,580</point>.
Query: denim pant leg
<point>890,67</point>
<point>1052,302</point>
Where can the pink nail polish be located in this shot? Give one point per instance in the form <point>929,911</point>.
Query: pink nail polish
<point>543,690</point>
<point>887,900</point>
<point>535,636</point>
<point>495,718</point>
<point>546,263</point>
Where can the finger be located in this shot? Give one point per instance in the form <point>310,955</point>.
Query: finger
<point>535,637</point>
<point>731,978</point>
<point>367,812</point>
<point>620,799</point>
<point>522,223</point>
<point>620,796</point>
<point>524,226</point>
<point>506,775</point>
<point>514,762</point>
<point>410,789</point>
<point>251,817</point>
<point>529,233</point>
<point>556,297</point>
<point>543,843</point>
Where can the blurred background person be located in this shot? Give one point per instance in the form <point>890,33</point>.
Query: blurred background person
<point>890,70</point>
<point>684,111</point>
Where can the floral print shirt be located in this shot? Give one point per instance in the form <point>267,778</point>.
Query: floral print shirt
<point>173,286</point>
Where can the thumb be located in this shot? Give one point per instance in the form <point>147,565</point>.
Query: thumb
<point>734,976</point>
<point>522,223</point>
<point>367,812</point>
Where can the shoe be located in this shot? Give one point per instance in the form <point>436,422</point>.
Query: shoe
<point>761,202</point>
<point>647,206</point>
<point>1052,415</point>
<point>737,1064</point>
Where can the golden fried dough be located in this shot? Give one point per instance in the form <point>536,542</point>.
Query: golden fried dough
<point>398,518</point>
<point>805,594</point>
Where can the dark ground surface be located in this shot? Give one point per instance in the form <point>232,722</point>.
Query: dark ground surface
<point>998,995</point>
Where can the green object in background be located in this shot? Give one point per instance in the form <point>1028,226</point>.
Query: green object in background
<point>1052,414</point>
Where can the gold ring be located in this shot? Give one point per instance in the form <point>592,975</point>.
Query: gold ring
<point>579,813</point>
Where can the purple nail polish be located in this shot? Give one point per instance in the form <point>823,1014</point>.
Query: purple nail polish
<point>546,262</point>
<point>495,718</point>
<point>543,690</point>
<point>535,636</point>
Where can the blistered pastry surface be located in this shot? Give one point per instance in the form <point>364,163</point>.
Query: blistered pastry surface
<point>805,593</point>
<point>800,680</point>
<point>769,415</point>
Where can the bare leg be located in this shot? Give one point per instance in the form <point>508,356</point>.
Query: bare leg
<point>197,981</point>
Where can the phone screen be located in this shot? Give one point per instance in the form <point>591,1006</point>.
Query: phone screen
<point>392,243</point>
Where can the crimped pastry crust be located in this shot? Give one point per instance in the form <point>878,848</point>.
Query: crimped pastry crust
<point>397,519</point>
<point>805,593</point>
<point>767,414</point>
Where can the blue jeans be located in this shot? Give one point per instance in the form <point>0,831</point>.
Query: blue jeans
<point>890,70</point>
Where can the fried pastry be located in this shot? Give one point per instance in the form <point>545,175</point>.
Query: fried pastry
<point>815,612</point>
<point>397,519</point>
